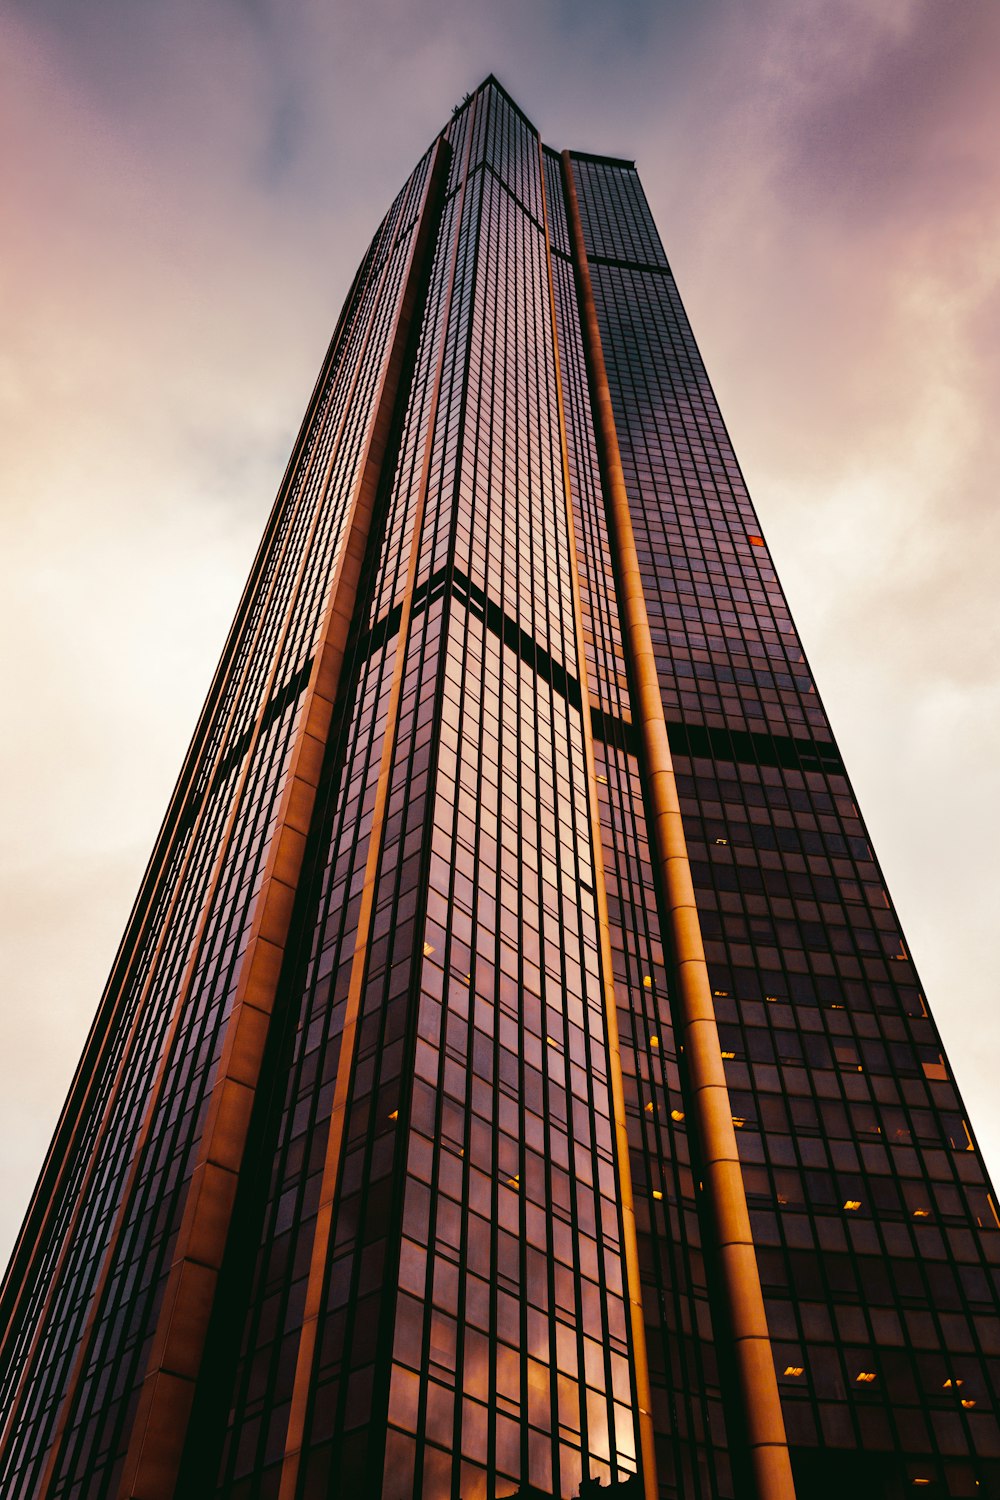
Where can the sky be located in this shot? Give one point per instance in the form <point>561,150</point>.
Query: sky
<point>186,190</point>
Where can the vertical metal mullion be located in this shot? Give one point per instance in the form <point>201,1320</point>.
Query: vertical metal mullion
<point>630,1242</point>
<point>31,1241</point>
<point>761,1404</point>
<point>157,1439</point>
<point>302,1390</point>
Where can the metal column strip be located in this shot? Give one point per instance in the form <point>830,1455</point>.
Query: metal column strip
<point>51,1468</point>
<point>630,1243</point>
<point>764,1424</point>
<point>319,1260</point>
<point>45,1200</point>
<point>159,1430</point>
<point>139,1017</point>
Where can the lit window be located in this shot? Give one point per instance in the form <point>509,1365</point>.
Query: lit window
<point>738,1122</point>
<point>852,1205</point>
<point>649,1107</point>
<point>865,1377</point>
<point>428,950</point>
<point>677,1114</point>
<point>968,1402</point>
<point>720,994</point>
<point>657,1194</point>
<point>952,1385</point>
<point>755,541</point>
<point>794,1370</point>
<point>722,842</point>
<point>394,1115</point>
<point>729,1055</point>
<point>921,1213</point>
<point>647,982</point>
<point>654,1041</point>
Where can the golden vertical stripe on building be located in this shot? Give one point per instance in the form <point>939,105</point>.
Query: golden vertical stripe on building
<point>55,1451</point>
<point>32,1239</point>
<point>90,1323</point>
<point>692,995</point>
<point>157,1439</point>
<point>95,1159</point>
<point>319,1259</point>
<point>630,1243</point>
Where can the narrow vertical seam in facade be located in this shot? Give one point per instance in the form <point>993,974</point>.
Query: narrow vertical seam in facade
<point>295,1437</point>
<point>630,1244</point>
<point>762,1416</point>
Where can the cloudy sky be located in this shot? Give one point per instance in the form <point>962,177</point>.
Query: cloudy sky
<point>185,191</point>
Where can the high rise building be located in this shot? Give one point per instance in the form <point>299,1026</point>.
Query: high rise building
<point>513,1077</point>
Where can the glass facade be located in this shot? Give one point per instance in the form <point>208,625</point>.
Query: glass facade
<point>386,1171</point>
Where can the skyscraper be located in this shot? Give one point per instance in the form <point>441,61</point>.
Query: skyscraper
<point>513,1074</point>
